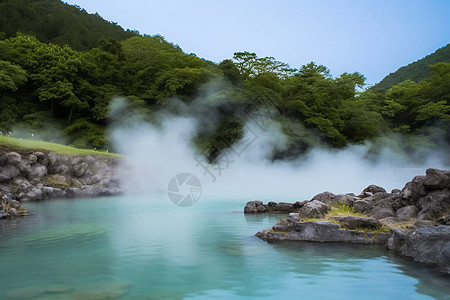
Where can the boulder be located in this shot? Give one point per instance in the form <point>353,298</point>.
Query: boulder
<point>407,212</point>
<point>437,179</point>
<point>313,209</point>
<point>13,158</point>
<point>13,203</point>
<point>8,173</point>
<point>428,244</point>
<point>351,222</point>
<point>251,206</point>
<point>413,190</point>
<point>444,220</point>
<point>322,231</point>
<point>434,205</point>
<point>371,190</point>
<point>80,169</point>
<point>4,215</point>
<point>32,159</point>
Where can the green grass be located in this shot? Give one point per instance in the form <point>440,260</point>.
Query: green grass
<point>58,148</point>
<point>342,210</point>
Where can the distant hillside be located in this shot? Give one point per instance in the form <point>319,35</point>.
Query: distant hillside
<point>415,71</point>
<point>57,22</point>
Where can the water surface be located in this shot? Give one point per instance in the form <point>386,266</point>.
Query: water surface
<point>144,247</point>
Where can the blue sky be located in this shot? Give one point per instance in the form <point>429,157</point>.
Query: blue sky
<point>373,37</point>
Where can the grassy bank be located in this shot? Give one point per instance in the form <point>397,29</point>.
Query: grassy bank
<point>41,145</point>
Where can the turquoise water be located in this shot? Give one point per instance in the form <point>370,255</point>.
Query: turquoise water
<point>143,247</point>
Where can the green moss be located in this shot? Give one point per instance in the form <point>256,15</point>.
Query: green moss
<point>57,183</point>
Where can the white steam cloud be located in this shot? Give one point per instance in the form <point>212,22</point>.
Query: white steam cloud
<point>156,153</point>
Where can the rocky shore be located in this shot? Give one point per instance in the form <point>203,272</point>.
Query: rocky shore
<point>413,222</point>
<point>39,175</point>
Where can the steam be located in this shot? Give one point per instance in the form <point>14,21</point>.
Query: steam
<point>160,150</point>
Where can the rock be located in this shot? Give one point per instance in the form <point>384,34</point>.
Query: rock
<point>313,209</point>
<point>434,205</point>
<point>283,206</point>
<point>397,238</point>
<point>419,223</point>
<point>444,220</point>
<point>42,158</point>
<point>14,203</point>
<point>62,169</point>
<point>428,244</point>
<point>351,222</point>
<point>13,212</point>
<point>361,206</point>
<point>413,190</point>
<point>391,221</point>
<point>32,159</point>
<point>325,197</point>
<point>382,205</point>
<point>323,231</point>
<point>299,204</point>
<point>396,191</point>
<point>80,169</point>
<point>371,190</point>
<point>251,207</point>
<point>38,170</point>
<point>13,158</point>
<point>437,179</point>
<point>76,161</point>
<point>8,173</point>
<point>407,212</point>
<point>4,215</point>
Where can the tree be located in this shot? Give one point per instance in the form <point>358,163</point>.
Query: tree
<point>11,76</point>
<point>250,65</point>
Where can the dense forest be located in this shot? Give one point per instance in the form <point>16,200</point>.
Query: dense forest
<point>60,68</point>
<point>415,71</point>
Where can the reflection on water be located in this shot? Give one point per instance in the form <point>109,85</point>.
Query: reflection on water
<point>146,248</point>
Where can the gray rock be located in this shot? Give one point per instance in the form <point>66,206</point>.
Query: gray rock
<point>419,223</point>
<point>313,209</point>
<point>325,197</point>
<point>371,190</point>
<point>437,179</point>
<point>80,169</point>
<point>444,220</point>
<point>13,212</point>
<point>358,222</point>
<point>14,203</point>
<point>76,161</point>
<point>13,158</point>
<point>361,206</point>
<point>391,221</point>
<point>407,212</point>
<point>413,190</point>
<point>428,244</point>
<point>8,173</point>
<point>434,204</point>
<point>323,231</point>
<point>62,169</point>
<point>4,215</point>
<point>32,159</point>
<point>251,207</point>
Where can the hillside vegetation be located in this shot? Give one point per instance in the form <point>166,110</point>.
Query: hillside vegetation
<point>415,71</point>
<point>53,87</point>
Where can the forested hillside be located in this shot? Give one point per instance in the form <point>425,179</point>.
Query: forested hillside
<point>53,89</point>
<point>415,71</point>
<point>53,21</point>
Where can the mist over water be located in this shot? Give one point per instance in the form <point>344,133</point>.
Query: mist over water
<point>157,153</point>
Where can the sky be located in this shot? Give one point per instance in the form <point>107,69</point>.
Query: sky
<point>373,37</point>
